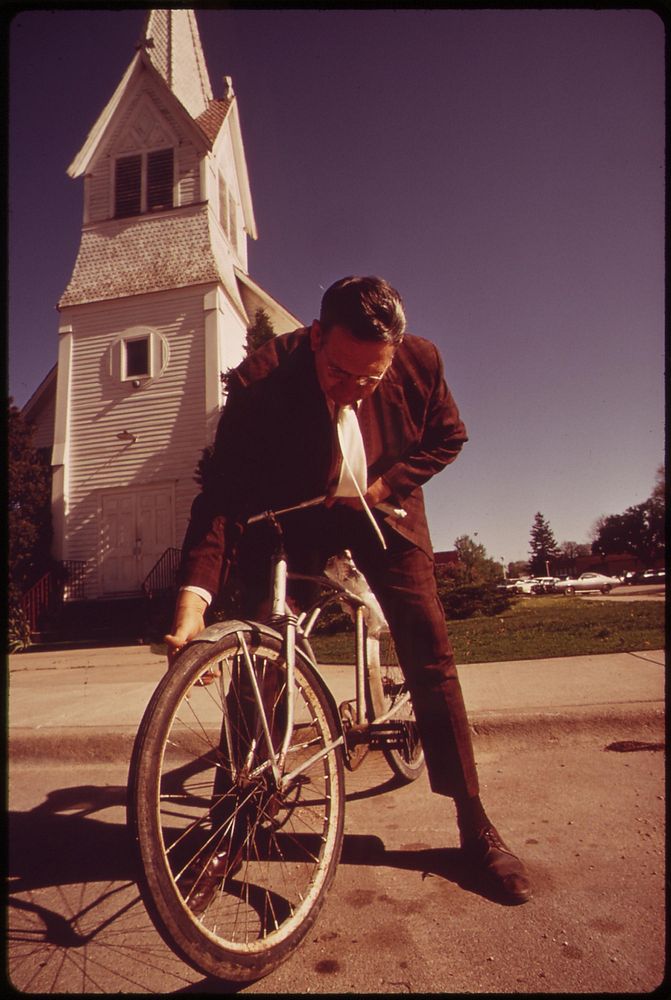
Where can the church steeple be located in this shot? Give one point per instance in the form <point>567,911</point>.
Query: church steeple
<point>165,171</point>
<point>172,43</point>
<point>157,306</point>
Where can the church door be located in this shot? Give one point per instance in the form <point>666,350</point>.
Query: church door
<point>137,528</point>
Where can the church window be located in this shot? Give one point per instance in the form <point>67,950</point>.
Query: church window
<point>228,214</point>
<point>136,358</point>
<point>143,183</point>
<point>138,355</point>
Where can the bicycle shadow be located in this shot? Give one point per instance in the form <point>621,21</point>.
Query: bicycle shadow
<point>61,843</point>
<point>74,919</point>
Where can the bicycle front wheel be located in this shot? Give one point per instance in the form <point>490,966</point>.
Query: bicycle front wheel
<point>387,692</point>
<point>236,859</point>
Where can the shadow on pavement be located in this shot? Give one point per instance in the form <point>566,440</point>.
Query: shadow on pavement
<point>72,876</point>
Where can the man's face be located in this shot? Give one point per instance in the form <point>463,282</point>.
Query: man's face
<point>348,369</point>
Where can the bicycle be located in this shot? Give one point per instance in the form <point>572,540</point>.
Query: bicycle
<point>239,763</point>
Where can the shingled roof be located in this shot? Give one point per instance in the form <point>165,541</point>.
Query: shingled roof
<point>143,255</point>
<point>172,43</point>
<point>213,117</point>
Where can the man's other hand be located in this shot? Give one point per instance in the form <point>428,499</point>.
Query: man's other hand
<point>375,494</point>
<point>187,622</point>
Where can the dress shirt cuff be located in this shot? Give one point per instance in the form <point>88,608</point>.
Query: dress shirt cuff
<point>205,594</point>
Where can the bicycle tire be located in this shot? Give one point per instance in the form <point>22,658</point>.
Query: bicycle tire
<point>386,686</point>
<point>185,804</point>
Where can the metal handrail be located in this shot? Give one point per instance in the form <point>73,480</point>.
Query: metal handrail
<point>161,576</point>
<point>46,594</point>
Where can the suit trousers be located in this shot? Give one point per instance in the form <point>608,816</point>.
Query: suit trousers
<point>402,577</point>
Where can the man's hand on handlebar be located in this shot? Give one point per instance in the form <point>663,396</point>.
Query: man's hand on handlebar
<point>188,621</point>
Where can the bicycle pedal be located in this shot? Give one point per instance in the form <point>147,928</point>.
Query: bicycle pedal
<point>386,736</point>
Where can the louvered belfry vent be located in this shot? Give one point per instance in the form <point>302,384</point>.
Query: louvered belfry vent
<point>159,179</point>
<point>129,198</point>
<point>128,186</point>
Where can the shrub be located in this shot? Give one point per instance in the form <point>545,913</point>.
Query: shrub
<point>473,599</point>
<point>18,628</point>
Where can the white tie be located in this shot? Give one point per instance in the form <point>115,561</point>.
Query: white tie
<point>353,471</point>
<point>353,479</point>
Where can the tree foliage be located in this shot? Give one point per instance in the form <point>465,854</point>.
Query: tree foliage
<point>542,546</point>
<point>569,553</point>
<point>473,566</point>
<point>29,521</point>
<point>518,568</point>
<point>639,530</point>
<point>470,586</point>
<point>259,333</point>
<point>29,483</point>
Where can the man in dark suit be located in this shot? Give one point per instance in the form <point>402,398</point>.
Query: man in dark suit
<point>277,444</point>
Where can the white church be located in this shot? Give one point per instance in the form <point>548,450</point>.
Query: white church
<point>158,305</point>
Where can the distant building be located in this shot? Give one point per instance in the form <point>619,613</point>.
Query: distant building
<point>445,559</point>
<point>157,307</point>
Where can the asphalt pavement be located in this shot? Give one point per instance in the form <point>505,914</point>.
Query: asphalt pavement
<point>403,914</point>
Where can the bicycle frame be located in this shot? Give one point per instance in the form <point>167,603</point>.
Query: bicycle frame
<point>288,627</point>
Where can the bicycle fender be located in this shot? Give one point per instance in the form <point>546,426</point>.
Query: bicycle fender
<point>217,631</point>
<point>213,633</point>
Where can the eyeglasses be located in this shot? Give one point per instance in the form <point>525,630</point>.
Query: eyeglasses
<point>338,374</point>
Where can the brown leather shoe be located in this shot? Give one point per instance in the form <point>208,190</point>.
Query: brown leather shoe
<point>204,886</point>
<point>487,851</point>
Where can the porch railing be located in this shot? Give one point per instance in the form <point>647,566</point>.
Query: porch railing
<point>46,594</point>
<point>163,575</point>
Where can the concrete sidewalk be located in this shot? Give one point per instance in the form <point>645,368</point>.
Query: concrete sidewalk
<point>86,704</point>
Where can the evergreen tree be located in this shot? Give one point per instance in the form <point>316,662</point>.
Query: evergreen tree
<point>260,331</point>
<point>543,547</point>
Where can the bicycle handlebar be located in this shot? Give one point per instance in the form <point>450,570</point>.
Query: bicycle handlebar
<point>386,508</point>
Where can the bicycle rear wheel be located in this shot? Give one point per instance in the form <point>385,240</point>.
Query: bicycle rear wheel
<point>386,689</point>
<point>202,793</point>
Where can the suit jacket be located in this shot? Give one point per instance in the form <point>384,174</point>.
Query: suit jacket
<point>275,442</point>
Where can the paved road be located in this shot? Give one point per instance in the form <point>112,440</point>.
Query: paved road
<point>403,915</point>
<point>635,592</point>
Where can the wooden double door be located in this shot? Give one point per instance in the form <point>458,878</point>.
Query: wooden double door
<point>137,527</point>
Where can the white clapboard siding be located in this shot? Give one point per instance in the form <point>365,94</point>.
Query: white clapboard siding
<point>180,275</point>
<point>167,414</point>
<point>225,167</point>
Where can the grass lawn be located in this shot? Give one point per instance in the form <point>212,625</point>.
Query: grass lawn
<point>539,627</point>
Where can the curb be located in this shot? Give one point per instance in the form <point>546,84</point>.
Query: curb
<point>114,745</point>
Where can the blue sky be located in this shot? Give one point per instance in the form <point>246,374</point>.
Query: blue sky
<point>503,169</point>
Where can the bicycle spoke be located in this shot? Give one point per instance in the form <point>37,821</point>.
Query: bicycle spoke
<point>266,843</point>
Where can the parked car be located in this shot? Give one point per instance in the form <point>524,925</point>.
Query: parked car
<point>529,585</point>
<point>509,586</point>
<point>587,582</point>
<point>651,576</point>
<point>548,583</point>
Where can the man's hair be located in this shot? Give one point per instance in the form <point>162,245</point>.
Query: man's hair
<point>368,307</point>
